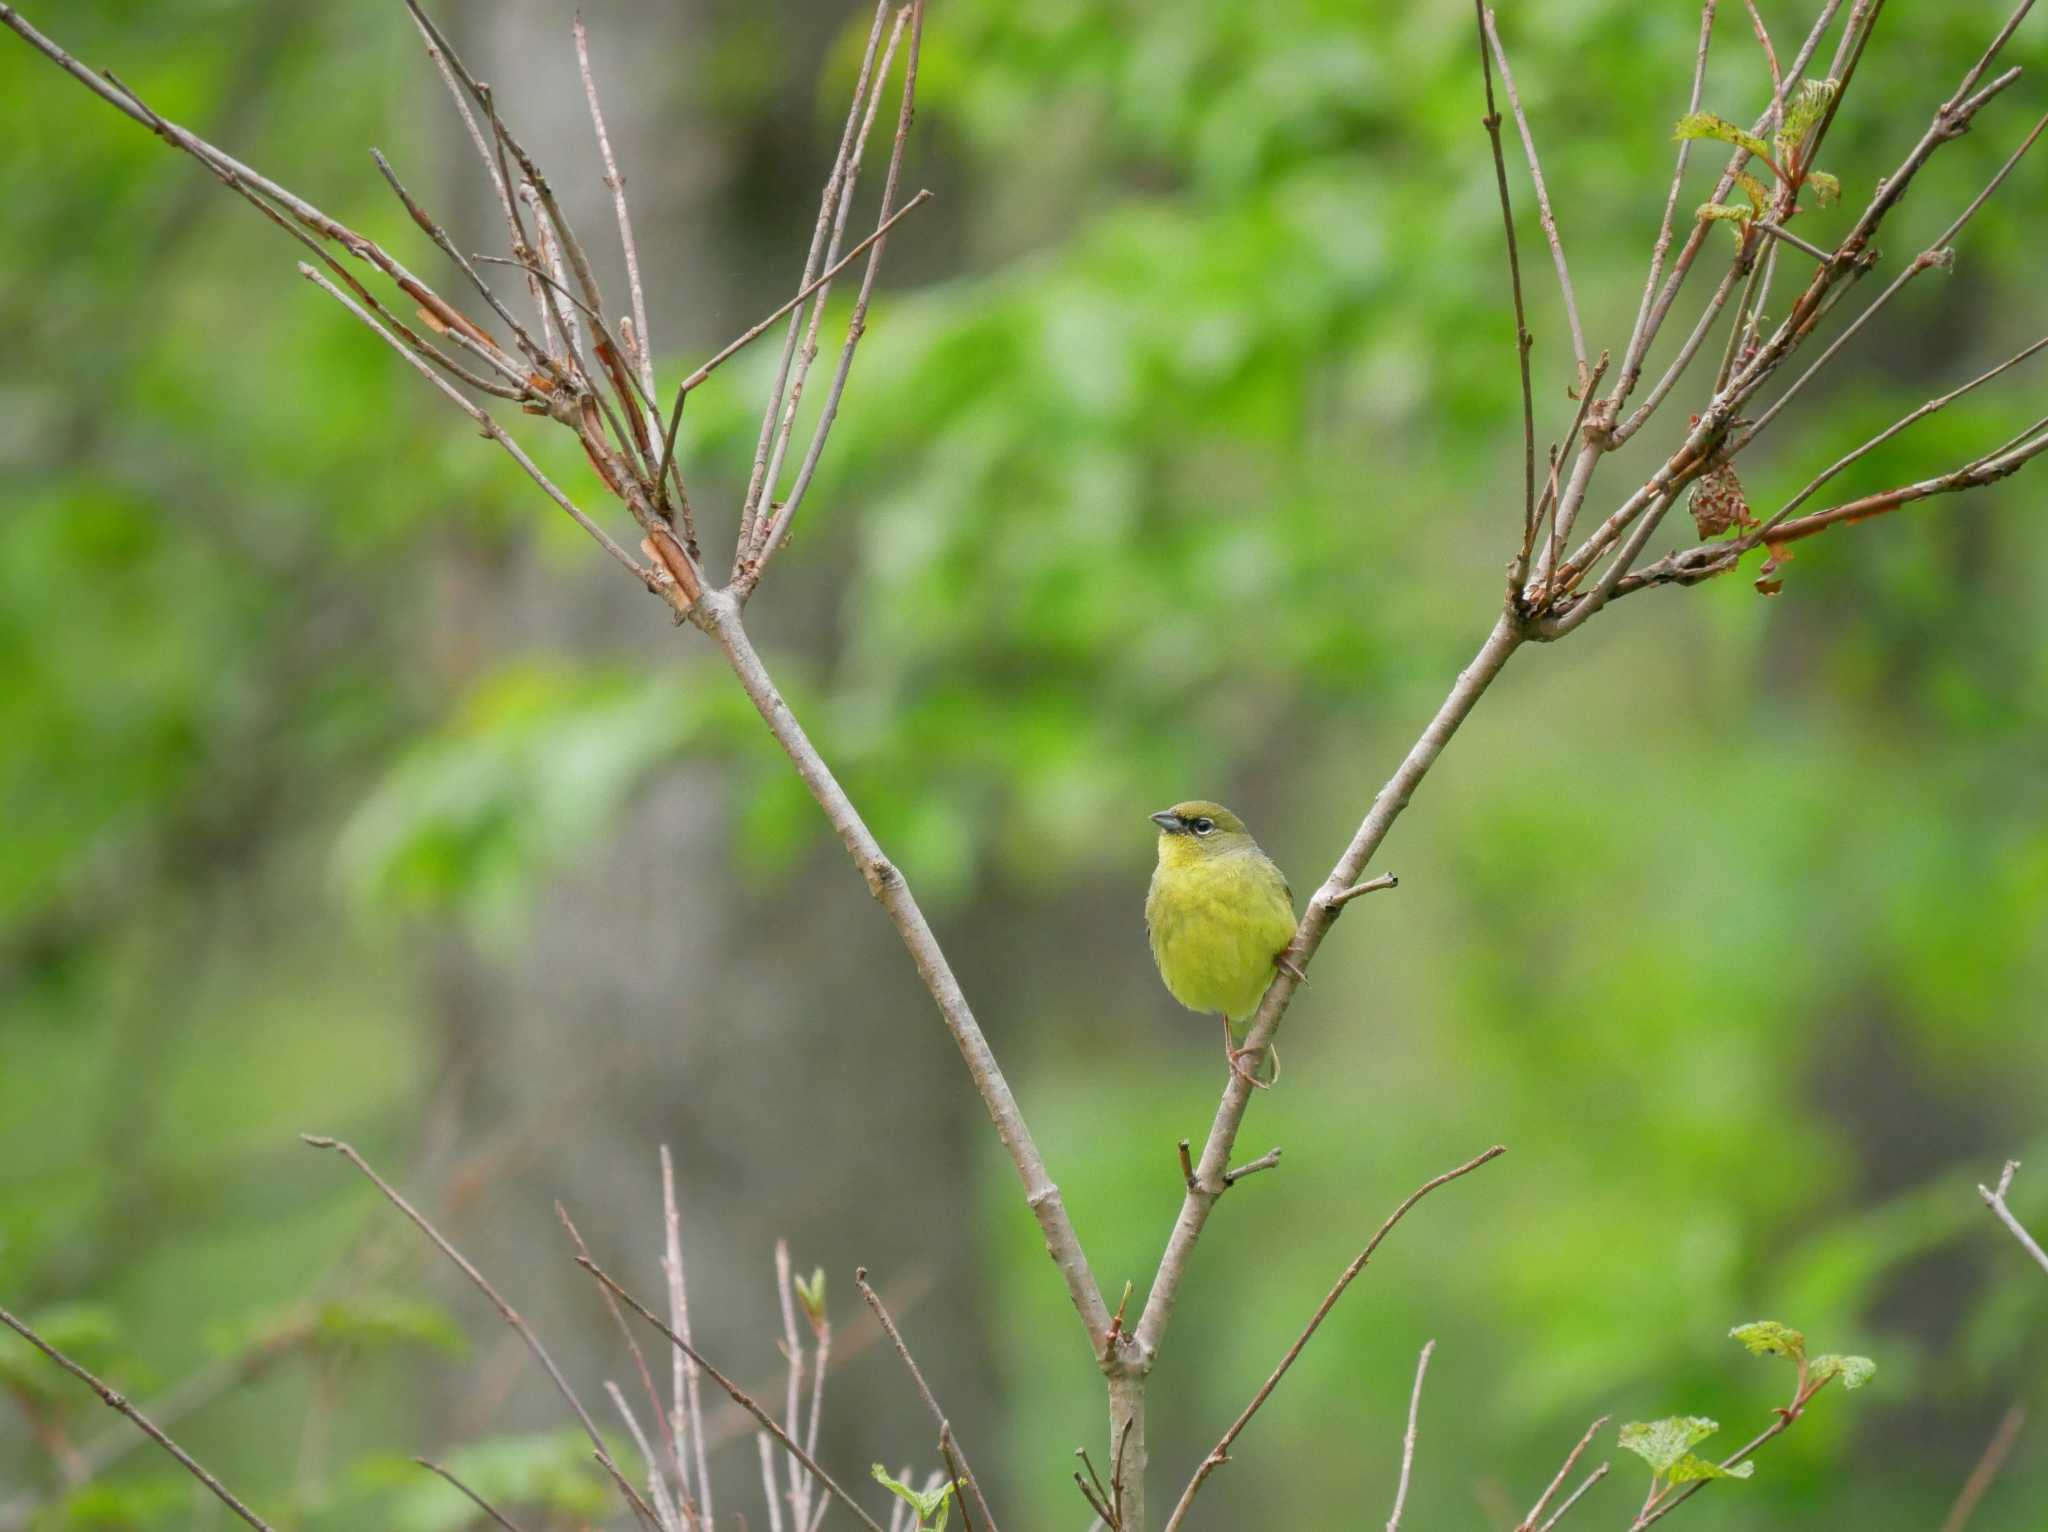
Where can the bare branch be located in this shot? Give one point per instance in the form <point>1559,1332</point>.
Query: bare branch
<point>1408,1441</point>
<point>640,1366</point>
<point>1369,886</point>
<point>1268,1161</point>
<point>1543,211</point>
<point>734,347</point>
<point>1572,1499</point>
<point>1220,1453</point>
<point>478,1500</point>
<point>766,543</point>
<point>657,1486</point>
<point>1491,122</point>
<point>643,337</point>
<point>721,618</point>
<point>762,502</point>
<point>924,1391</point>
<point>957,1475</point>
<point>115,1401</point>
<point>505,1310</point>
<point>1528,1523</point>
<point>738,1395</point>
<point>769,1492</point>
<point>492,164</point>
<point>1995,1200</point>
<point>687,1403</point>
<point>1786,236</point>
<point>491,429</point>
<point>792,1412</point>
<point>827,202</point>
<point>1641,333</point>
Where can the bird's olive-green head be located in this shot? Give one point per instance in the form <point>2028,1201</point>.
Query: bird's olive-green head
<point>1199,828</point>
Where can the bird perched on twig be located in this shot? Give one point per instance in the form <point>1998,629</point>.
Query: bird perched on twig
<point>1221,918</point>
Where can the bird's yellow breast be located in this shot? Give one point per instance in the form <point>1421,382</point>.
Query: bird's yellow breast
<point>1217,920</point>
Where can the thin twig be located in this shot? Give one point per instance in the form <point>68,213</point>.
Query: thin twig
<point>734,347</point>
<point>721,618</point>
<point>1491,122</point>
<point>924,1389</point>
<point>1572,1499</point>
<point>1762,534</point>
<point>531,348</point>
<point>1995,1200</point>
<point>821,1357</point>
<point>827,202</point>
<point>1543,211</point>
<point>639,1361</point>
<point>478,1500</point>
<point>115,1401</point>
<point>738,1395</point>
<point>1779,232</point>
<point>1666,1501</point>
<point>642,336</point>
<point>505,1310</point>
<point>1649,323</point>
<point>492,163</point>
<point>948,1449</point>
<point>1408,1440</point>
<point>1996,1451</point>
<point>769,1492</point>
<point>1936,254</point>
<point>1220,1453</point>
<point>687,1401</point>
<point>1358,890</point>
<point>657,1486</point>
<point>792,1411</point>
<point>491,429</point>
<point>1528,1523</point>
<point>1267,1161</point>
<point>1640,333</point>
<point>762,496</point>
<point>769,541</point>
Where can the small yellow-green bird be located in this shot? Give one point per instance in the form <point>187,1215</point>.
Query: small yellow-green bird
<point>1220,915</point>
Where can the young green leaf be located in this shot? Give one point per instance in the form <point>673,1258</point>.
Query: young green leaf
<point>811,1295</point>
<point>1663,1444</point>
<point>1826,188</point>
<point>932,1510</point>
<point>1707,125</point>
<point>1854,1371</point>
<point>1767,1337</point>
<point>1688,1468</point>
<point>1717,212</point>
<point>1808,104</point>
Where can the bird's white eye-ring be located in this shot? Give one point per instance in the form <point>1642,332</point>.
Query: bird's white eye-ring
<point>1202,826</point>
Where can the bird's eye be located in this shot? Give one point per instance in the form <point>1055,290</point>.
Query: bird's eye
<point>1202,826</point>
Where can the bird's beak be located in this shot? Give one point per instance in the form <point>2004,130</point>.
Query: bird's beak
<point>1168,821</point>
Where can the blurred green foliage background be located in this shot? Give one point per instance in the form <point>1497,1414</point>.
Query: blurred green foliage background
<point>345,790</point>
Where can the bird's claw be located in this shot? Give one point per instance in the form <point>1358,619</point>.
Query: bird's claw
<point>1286,964</point>
<point>1251,1076</point>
